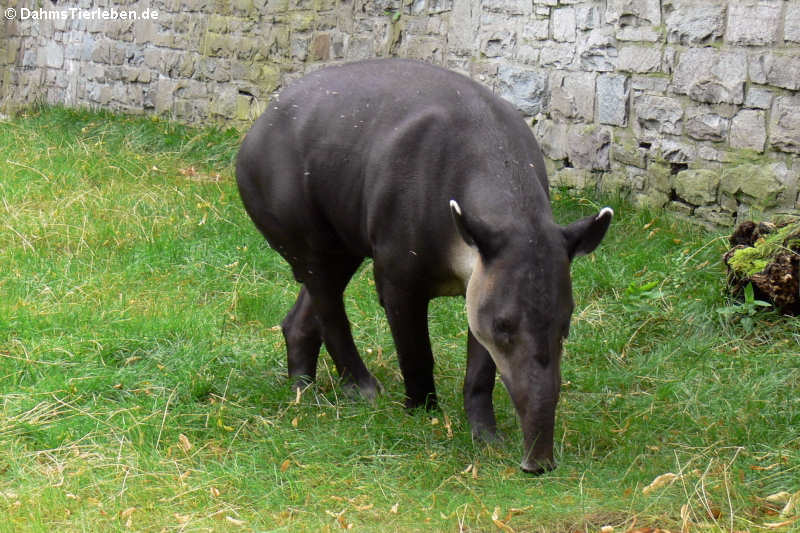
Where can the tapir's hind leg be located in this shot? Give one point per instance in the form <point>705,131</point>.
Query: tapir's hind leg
<point>325,284</point>
<point>303,336</point>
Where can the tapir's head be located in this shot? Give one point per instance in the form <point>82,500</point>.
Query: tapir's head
<point>519,303</point>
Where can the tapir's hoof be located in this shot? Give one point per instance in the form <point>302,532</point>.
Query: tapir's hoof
<point>301,383</point>
<point>537,468</point>
<point>486,434</point>
<point>370,388</point>
<point>429,403</point>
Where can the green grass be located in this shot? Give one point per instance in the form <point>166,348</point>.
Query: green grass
<point>142,375</point>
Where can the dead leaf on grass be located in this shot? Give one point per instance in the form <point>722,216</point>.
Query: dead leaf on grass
<point>183,442</point>
<point>499,523</point>
<point>661,481</point>
<point>235,521</point>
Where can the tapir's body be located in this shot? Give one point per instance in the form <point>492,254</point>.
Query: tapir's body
<point>444,186</point>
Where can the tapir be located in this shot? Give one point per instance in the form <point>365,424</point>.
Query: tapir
<point>443,185</point>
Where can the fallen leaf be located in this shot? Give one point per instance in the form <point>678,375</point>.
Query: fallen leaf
<point>295,421</point>
<point>235,521</point>
<point>779,498</point>
<point>661,481</point>
<point>394,508</point>
<point>127,512</point>
<point>764,468</point>
<point>214,492</point>
<point>686,513</point>
<point>778,525</point>
<point>299,394</point>
<point>496,519</point>
<point>182,518</point>
<point>183,442</point>
<point>285,465</point>
<point>467,470</point>
<point>608,529</point>
<point>448,426</point>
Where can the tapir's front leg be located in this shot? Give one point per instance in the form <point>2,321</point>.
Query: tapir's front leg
<point>407,311</point>
<point>478,387</point>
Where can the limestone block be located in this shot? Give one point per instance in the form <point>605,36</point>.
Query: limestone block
<point>557,55</point>
<point>697,186</point>
<point>552,138</point>
<point>715,216</point>
<point>680,208</point>
<point>588,17</point>
<point>588,147</point>
<point>650,199</point>
<point>536,30</point>
<point>630,12</point>
<point>564,24</point>
<point>498,38</point>
<point>650,84</point>
<point>614,182</point>
<point>635,20</point>
<point>660,114</point>
<point>52,55</point>
<point>776,69</point>
<point>676,151</point>
<point>572,95</point>
<point>430,49</point>
<point>612,99</point>
<point>694,21</point>
<point>705,125</point>
<point>597,49</point>
<point>321,47</point>
<point>754,22</point>
<point>748,130</point>
<point>572,178</point>
<point>758,184</point>
<point>710,75</point>
<point>758,98</point>
<point>639,59</point>
<point>511,7</point>
<point>784,125</point>
<point>791,24</point>
<point>525,88</point>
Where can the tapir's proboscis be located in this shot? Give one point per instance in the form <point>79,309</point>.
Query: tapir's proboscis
<point>443,185</point>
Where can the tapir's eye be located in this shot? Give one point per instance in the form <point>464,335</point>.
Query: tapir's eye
<point>504,329</point>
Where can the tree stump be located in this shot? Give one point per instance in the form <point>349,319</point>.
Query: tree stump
<point>767,255</point>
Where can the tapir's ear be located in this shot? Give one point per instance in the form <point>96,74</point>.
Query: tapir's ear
<point>475,232</point>
<point>584,235</point>
<point>461,223</point>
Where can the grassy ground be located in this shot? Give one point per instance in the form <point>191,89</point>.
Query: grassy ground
<point>142,375</point>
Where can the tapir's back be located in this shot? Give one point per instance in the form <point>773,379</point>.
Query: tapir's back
<point>345,147</point>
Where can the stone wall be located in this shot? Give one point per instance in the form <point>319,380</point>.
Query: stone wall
<point>689,104</point>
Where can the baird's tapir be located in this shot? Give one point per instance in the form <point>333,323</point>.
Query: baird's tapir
<point>443,185</point>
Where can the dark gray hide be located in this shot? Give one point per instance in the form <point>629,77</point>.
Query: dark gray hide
<point>444,186</point>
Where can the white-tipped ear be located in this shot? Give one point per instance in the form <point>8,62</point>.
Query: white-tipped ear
<point>606,211</point>
<point>458,220</point>
<point>584,235</point>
